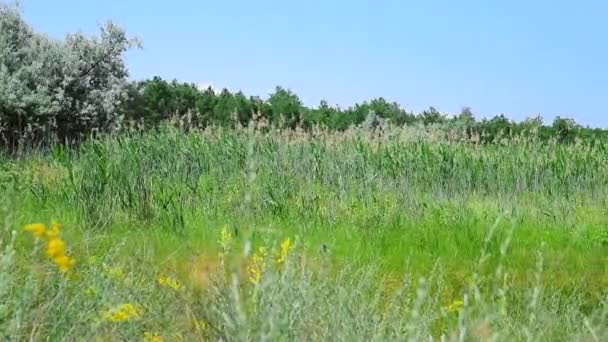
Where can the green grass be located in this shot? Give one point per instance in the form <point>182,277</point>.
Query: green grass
<point>519,229</point>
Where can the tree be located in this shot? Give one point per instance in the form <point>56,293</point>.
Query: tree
<point>532,125</point>
<point>322,115</point>
<point>244,108</point>
<point>466,117</point>
<point>496,127</point>
<point>158,101</point>
<point>286,107</point>
<point>225,107</point>
<point>391,111</point>
<point>565,129</point>
<point>431,116</point>
<point>73,86</point>
<point>205,106</point>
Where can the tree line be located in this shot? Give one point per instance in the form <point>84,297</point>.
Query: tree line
<point>78,86</point>
<point>156,100</point>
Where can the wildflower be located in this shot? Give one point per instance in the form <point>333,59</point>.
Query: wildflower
<point>226,237</point>
<point>37,229</point>
<point>455,306</point>
<point>169,282</point>
<point>225,242</point>
<point>286,246</point>
<point>122,313</point>
<point>257,266</point>
<point>152,337</point>
<point>55,248</point>
<point>54,231</point>
<point>64,262</point>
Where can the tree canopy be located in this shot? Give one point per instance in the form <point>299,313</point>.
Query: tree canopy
<point>78,86</point>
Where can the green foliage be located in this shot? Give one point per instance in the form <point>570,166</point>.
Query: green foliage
<point>431,116</point>
<point>69,89</point>
<point>284,109</point>
<point>565,129</point>
<point>406,233</point>
<point>509,239</point>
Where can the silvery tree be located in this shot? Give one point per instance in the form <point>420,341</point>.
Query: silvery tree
<point>69,88</point>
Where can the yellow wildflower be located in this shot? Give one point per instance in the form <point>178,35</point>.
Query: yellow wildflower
<point>226,236</point>
<point>64,262</point>
<point>122,313</point>
<point>54,231</point>
<point>225,242</point>
<point>257,266</point>
<point>286,246</point>
<point>37,229</point>
<point>169,282</point>
<point>152,337</point>
<point>455,306</point>
<point>55,248</point>
<point>255,275</point>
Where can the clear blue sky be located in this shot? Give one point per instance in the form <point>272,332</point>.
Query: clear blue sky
<point>514,57</point>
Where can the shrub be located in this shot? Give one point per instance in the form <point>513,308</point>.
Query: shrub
<point>70,87</point>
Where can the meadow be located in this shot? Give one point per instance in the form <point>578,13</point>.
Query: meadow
<point>254,234</point>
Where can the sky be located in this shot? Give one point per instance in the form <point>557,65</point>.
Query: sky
<point>513,57</point>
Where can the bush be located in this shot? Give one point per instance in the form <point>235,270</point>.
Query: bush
<point>69,88</point>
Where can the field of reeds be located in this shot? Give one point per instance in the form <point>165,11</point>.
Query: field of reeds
<point>252,235</point>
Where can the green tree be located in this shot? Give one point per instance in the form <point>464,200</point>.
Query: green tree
<point>391,111</point>
<point>244,108</point>
<point>531,126</point>
<point>495,128</point>
<point>322,115</point>
<point>565,129</point>
<point>286,107</point>
<point>466,117</point>
<point>225,109</point>
<point>205,106</point>
<point>431,116</point>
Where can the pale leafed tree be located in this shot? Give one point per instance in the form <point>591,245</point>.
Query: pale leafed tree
<point>71,86</point>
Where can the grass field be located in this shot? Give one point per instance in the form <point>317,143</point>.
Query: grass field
<point>248,235</point>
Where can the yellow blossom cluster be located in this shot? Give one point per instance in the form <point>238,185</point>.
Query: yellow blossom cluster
<point>169,282</point>
<point>122,313</point>
<point>455,306</point>
<point>286,246</point>
<point>225,243</point>
<point>257,266</point>
<point>55,246</point>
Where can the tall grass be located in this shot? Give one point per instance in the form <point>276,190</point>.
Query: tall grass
<point>516,230</point>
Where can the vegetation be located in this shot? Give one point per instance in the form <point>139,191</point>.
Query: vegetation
<point>71,89</point>
<point>156,100</point>
<point>510,240</point>
<point>68,89</point>
<point>204,216</point>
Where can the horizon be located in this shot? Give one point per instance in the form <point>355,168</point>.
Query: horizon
<point>516,59</point>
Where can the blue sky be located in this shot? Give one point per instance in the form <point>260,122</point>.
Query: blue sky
<point>515,57</point>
